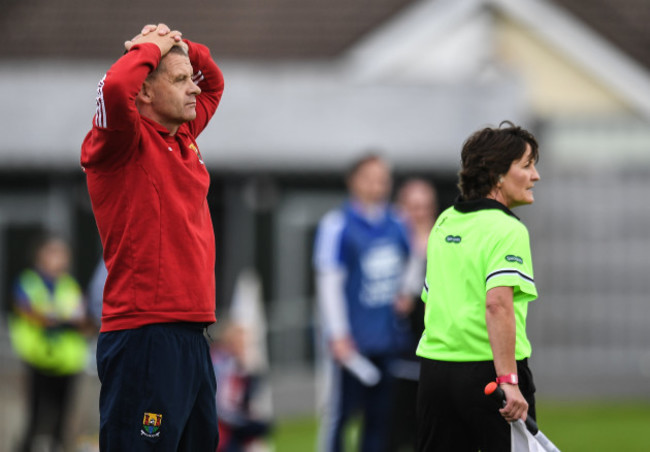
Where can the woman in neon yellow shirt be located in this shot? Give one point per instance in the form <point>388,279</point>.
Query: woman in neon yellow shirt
<point>478,284</point>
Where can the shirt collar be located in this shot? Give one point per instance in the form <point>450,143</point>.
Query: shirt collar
<point>475,205</point>
<point>162,130</point>
<point>376,216</point>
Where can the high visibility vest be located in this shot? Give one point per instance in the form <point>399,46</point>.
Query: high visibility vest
<point>60,350</point>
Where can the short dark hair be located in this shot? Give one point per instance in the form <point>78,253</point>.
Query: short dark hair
<point>178,50</point>
<point>362,161</point>
<point>488,154</point>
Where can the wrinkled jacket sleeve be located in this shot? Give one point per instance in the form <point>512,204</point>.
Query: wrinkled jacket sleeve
<point>116,125</point>
<point>209,78</point>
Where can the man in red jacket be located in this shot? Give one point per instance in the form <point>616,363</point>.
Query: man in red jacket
<point>148,186</point>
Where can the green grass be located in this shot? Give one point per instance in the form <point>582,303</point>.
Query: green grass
<point>572,426</point>
<point>594,426</point>
<point>300,435</point>
<point>295,435</point>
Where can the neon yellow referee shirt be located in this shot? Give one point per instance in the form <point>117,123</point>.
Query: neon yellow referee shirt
<point>473,247</point>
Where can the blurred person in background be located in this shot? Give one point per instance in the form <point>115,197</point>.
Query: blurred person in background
<point>361,252</point>
<point>46,328</point>
<point>241,428</point>
<point>478,284</point>
<point>148,186</point>
<point>417,204</point>
<point>95,293</point>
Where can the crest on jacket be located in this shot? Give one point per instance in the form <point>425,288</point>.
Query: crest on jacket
<point>193,147</point>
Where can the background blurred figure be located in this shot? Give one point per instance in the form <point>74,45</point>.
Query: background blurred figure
<point>360,255</point>
<point>417,203</point>
<point>95,293</point>
<point>241,364</point>
<point>46,332</point>
<point>241,428</point>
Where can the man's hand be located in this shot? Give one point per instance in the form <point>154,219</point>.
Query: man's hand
<point>516,406</point>
<point>342,348</point>
<point>404,305</point>
<point>161,35</point>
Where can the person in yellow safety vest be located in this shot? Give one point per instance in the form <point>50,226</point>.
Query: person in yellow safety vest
<point>46,330</point>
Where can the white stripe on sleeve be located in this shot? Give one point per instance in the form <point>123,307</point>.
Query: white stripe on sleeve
<point>100,114</point>
<point>510,271</point>
<point>198,77</point>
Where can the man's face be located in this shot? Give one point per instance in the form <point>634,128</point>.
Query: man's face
<point>371,183</point>
<point>173,93</point>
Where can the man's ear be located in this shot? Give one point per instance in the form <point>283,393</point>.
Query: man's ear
<point>146,93</point>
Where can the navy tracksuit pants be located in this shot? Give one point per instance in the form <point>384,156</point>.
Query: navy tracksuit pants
<point>347,397</point>
<point>158,390</point>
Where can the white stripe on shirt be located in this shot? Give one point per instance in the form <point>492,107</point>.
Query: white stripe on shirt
<point>198,77</point>
<point>510,271</point>
<point>100,114</point>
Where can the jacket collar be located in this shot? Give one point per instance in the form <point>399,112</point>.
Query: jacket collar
<point>162,130</point>
<point>475,205</point>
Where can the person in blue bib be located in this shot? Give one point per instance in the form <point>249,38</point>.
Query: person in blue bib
<point>360,256</point>
<point>46,330</point>
<point>478,284</point>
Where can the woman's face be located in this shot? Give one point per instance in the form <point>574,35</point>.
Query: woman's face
<point>418,204</point>
<point>516,187</point>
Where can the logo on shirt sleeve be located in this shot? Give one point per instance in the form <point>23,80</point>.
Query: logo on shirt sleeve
<point>512,258</point>
<point>151,425</point>
<point>453,239</point>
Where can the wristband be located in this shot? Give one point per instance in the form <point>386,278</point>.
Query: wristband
<point>511,379</point>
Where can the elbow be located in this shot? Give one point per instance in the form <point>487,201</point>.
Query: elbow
<point>499,301</point>
<point>494,309</point>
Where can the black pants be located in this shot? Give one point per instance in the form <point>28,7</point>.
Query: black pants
<point>455,415</point>
<point>348,397</point>
<point>49,401</point>
<point>403,418</point>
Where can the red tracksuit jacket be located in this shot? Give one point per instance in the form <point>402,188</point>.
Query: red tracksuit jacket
<point>148,192</point>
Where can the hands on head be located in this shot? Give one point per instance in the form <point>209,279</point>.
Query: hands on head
<point>161,35</point>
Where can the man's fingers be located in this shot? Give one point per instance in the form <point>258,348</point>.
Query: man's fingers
<point>164,38</point>
<point>147,29</point>
<point>163,29</point>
